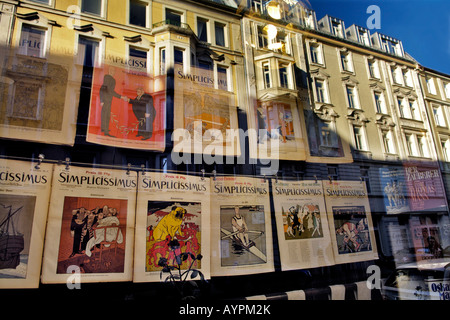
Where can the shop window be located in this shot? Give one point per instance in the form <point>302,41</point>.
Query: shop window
<point>32,41</point>
<point>138,13</point>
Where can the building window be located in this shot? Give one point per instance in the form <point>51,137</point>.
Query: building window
<point>321,93</point>
<point>407,80</point>
<point>352,97</point>
<point>283,70</point>
<point>411,145</point>
<point>202,29</point>
<point>423,146</point>
<point>333,172</point>
<point>402,107</point>
<point>374,72</point>
<point>41,1</point>
<point>447,89</point>
<point>445,144</point>
<point>178,56</point>
<point>162,61</point>
<point>137,59</point>
<point>388,142</point>
<point>413,109</point>
<point>173,17</point>
<point>88,52</point>
<point>380,103</point>
<point>266,75</point>
<point>395,75</point>
<point>219,29</point>
<point>430,85</point>
<point>138,13</point>
<point>346,62</point>
<point>91,6</point>
<point>417,145</point>
<point>364,37</point>
<point>257,5</point>
<point>222,78</point>
<point>336,29</point>
<point>438,116</point>
<point>316,54</point>
<point>32,41</point>
<point>360,138</point>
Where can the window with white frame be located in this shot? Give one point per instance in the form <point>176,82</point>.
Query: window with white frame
<point>430,85</point>
<point>396,75</point>
<point>220,34</point>
<point>346,61</point>
<point>328,135</point>
<point>388,142</point>
<point>162,61</point>
<point>407,79</point>
<point>173,17</point>
<point>413,109</point>
<point>266,75</point>
<point>315,52</point>
<point>42,1</point>
<point>352,97</point>
<point>178,56</point>
<point>137,13</point>
<point>32,41</point>
<point>417,145</point>
<point>137,59</point>
<point>321,90</point>
<point>447,89</point>
<point>283,71</point>
<point>336,29</point>
<point>402,107</point>
<point>374,71</point>
<point>202,29</point>
<point>411,145</point>
<point>257,5</point>
<point>363,37</point>
<point>380,103</point>
<point>92,6</point>
<point>359,136</point>
<point>438,115</point>
<point>88,51</point>
<point>223,78</point>
<point>445,145</point>
<point>423,146</point>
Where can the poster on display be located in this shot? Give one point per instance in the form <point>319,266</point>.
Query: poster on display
<point>241,230</point>
<point>394,189</point>
<point>302,225</point>
<point>90,228</point>
<point>127,109</point>
<point>205,115</point>
<point>350,220</point>
<point>425,187</point>
<point>24,196</point>
<point>426,238</point>
<point>38,97</point>
<point>172,226</point>
<point>275,132</point>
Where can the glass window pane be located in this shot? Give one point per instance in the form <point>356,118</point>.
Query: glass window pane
<point>202,32</point>
<point>138,14</point>
<point>91,6</point>
<point>220,34</point>
<point>32,41</point>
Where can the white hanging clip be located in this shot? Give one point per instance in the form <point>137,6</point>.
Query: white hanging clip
<point>40,159</point>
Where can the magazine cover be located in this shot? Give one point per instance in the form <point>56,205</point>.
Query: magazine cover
<point>172,227</point>
<point>275,131</point>
<point>395,194</point>
<point>241,229</point>
<point>350,221</point>
<point>302,225</point>
<point>127,109</point>
<point>90,227</point>
<point>205,115</point>
<point>24,195</point>
<point>426,238</point>
<point>38,97</point>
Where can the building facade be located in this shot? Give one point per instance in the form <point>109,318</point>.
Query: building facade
<point>325,101</point>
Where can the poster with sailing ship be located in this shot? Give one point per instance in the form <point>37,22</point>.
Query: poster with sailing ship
<point>241,230</point>
<point>302,225</point>
<point>350,221</point>
<point>90,229</point>
<point>205,115</point>
<point>24,195</point>
<point>172,227</point>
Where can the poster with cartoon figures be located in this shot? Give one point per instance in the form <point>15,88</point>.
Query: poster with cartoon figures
<point>302,224</point>
<point>393,183</point>
<point>172,227</point>
<point>90,228</point>
<point>205,115</point>
<point>127,109</point>
<point>350,221</point>
<point>24,195</point>
<point>241,229</point>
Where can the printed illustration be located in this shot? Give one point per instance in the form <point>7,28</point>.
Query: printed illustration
<point>351,227</point>
<point>16,216</point>
<point>275,122</point>
<point>126,110</point>
<point>93,235</point>
<point>243,240</point>
<point>302,222</point>
<point>169,221</point>
<point>394,188</point>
